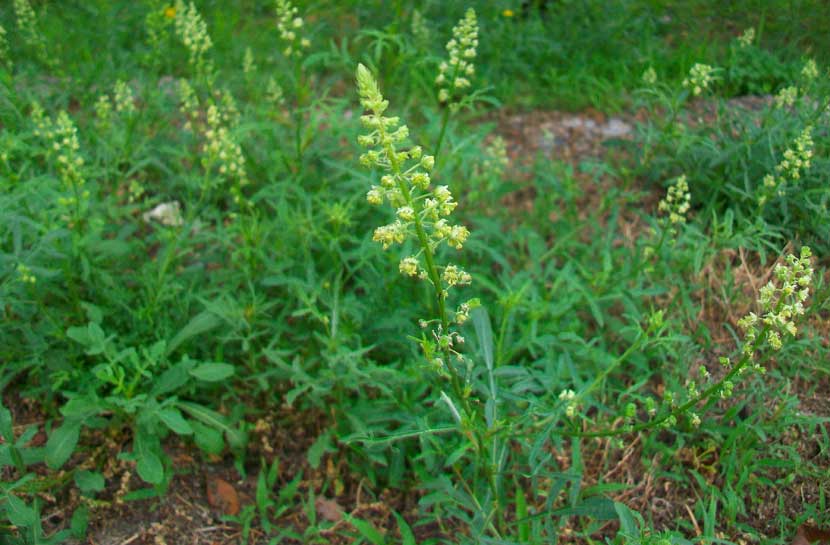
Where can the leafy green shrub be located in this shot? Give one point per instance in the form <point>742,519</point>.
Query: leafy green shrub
<point>763,166</point>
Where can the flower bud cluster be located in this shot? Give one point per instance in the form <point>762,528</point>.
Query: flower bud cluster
<point>786,97</point>
<point>248,64</point>
<point>797,159</point>
<point>61,137</point>
<point>420,30</point>
<point>676,203</point>
<point>103,112</point>
<point>27,26</point>
<point>67,155</point>
<point>5,58</point>
<point>223,153</point>
<point>191,29</point>
<point>25,274</point>
<point>747,38</point>
<point>571,402</point>
<point>274,93</point>
<point>188,104</point>
<point>454,74</point>
<point>781,301</point>
<point>124,98</point>
<point>289,25</point>
<point>810,70</point>
<point>228,109</point>
<point>422,210</point>
<point>495,158</point>
<point>699,78</point>
<point>462,313</point>
<point>649,76</point>
<point>488,174</point>
<point>123,103</point>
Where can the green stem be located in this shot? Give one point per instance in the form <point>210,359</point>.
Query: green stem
<point>445,118</point>
<point>705,394</point>
<point>298,113</point>
<point>641,262</point>
<point>431,267</point>
<point>171,250</point>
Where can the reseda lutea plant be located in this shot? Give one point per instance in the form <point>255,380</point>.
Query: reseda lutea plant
<point>453,78</point>
<point>781,302</point>
<point>422,213</point>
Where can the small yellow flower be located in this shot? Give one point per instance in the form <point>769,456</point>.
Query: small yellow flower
<point>170,12</point>
<point>508,13</point>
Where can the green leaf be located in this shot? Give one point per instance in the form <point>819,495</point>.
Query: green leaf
<point>366,529</point>
<point>263,491</point>
<point>457,454</point>
<point>172,379</point>
<point>92,337</point>
<point>89,481</point>
<point>79,523</point>
<point>484,333</point>
<point>628,522</point>
<point>148,462</point>
<point>407,537</point>
<point>141,494</point>
<point>19,513</point>
<point>150,468</point>
<point>597,507</point>
<point>80,408</point>
<point>320,446</point>
<point>6,429</point>
<point>111,248</point>
<point>212,372</point>
<point>173,419</point>
<point>62,443</point>
<point>93,313</point>
<point>287,492</point>
<point>79,335</point>
<point>273,473</point>
<point>17,458</point>
<point>236,438</point>
<point>208,439</point>
<point>521,515</point>
<point>201,323</point>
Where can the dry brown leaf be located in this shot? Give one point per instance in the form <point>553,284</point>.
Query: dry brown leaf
<point>809,535</point>
<point>329,509</point>
<point>222,495</point>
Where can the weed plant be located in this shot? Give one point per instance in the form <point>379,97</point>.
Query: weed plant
<point>208,230</point>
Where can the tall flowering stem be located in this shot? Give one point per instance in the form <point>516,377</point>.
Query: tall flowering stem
<point>192,31</point>
<point>5,57</point>
<point>797,160</point>
<point>674,207</point>
<point>422,212</point>
<point>291,28</point>
<point>781,302</point>
<point>27,25</point>
<point>61,137</point>
<point>454,73</point>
